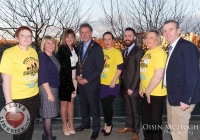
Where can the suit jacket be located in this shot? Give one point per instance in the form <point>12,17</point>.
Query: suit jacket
<point>131,69</point>
<point>48,72</point>
<point>182,75</point>
<point>92,67</point>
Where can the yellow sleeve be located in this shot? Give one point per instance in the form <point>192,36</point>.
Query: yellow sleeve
<point>119,58</point>
<point>160,59</point>
<point>6,65</point>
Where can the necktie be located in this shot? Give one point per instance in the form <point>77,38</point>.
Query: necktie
<point>170,49</point>
<point>126,52</point>
<point>83,51</point>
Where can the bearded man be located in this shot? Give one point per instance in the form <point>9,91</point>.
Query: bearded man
<point>130,83</point>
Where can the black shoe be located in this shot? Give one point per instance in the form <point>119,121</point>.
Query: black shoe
<point>44,137</point>
<point>107,134</point>
<point>94,136</point>
<point>102,130</point>
<point>81,128</point>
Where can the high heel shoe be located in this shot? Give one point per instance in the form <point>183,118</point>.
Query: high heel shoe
<point>70,131</point>
<point>107,134</point>
<point>67,133</point>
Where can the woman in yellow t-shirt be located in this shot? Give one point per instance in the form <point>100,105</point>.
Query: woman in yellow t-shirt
<point>151,90</point>
<point>110,80</point>
<point>19,69</point>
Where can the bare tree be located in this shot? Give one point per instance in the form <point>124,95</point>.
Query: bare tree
<point>42,16</point>
<point>114,18</point>
<point>143,15</point>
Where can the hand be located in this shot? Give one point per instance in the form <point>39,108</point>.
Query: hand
<point>112,84</point>
<point>141,93</point>
<point>83,81</point>
<point>79,78</point>
<point>130,92</point>
<point>10,108</point>
<point>51,97</point>
<point>148,97</point>
<point>184,106</point>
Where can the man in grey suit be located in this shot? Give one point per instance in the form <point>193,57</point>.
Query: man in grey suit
<point>130,83</point>
<point>89,68</point>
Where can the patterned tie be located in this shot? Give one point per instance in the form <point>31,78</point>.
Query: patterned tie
<point>126,52</point>
<point>83,51</point>
<point>170,49</point>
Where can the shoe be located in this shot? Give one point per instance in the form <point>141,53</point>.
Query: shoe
<point>107,134</point>
<point>102,130</point>
<point>72,132</point>
<point>94,136</point>
<point>135,136</point>
<point>124,130</point>
<point>67,133</point>
<point>81,128</point>
<point>44,137</point>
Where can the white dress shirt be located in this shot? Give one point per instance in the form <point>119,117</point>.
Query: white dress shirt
<point>173,46</point>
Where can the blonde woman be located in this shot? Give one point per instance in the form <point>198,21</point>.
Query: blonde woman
<point>49,81</point>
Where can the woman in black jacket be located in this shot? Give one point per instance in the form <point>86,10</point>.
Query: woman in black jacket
<point>68,58</point>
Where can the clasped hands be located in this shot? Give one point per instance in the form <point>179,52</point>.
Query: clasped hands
<point>81,80</point>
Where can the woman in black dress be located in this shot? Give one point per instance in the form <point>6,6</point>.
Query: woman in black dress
<point>68,58</point>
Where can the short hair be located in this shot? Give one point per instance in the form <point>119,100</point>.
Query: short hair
<point>131,29</point>
<point>46,38</point>
<point>22,28</point>
<point>109,33</point>
<point>172,21</point>
<point>66,33</point>
<point>83,25</point>
<point>157,35</point>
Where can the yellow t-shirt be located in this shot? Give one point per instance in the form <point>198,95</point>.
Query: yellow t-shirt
<point>152,59</point>
<point>112,58</point>
<point>23,68</point>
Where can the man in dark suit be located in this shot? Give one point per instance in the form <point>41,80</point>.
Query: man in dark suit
<point>89,68</point>
<point>181,79</point>
<point>130,83</point>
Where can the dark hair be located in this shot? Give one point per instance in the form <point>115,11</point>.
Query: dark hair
<point>83,25</point>
<point>172,21</point>
<point>66,33</point>
<point>157,35</point>
<point>109,33</point>
<point>22,28</point>
<point>131,29</point>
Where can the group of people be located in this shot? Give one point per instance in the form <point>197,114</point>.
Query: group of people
<point>58,73</point>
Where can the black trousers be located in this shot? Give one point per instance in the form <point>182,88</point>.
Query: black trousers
<point>107,109</point>
<point>131,105</point>
<point>89,106</point>
<point>152,117</point>
<point>27,135</point>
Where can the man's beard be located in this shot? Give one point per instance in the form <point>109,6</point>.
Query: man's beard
<point>128,43</point>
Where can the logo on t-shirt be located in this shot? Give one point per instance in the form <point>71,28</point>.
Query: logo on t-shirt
<point>31,73</point>
<point>14,118</point>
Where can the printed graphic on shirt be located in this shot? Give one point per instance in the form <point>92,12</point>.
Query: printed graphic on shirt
<point>31,73</point>
<point>106,66</point>
<point>144,64</point>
